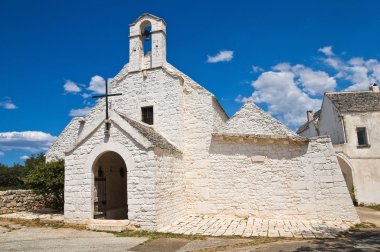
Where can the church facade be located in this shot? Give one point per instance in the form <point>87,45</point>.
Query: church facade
<point>168,150</point>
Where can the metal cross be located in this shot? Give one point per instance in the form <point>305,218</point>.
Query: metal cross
<point>106,95</point>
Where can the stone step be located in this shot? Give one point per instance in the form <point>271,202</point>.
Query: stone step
<point>110,225</point>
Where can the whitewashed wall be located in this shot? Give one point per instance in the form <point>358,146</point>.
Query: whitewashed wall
<point>141,167</point>
<point>295,181</point>
<point>329,123</point>
<point>171,188</point>
<point>365,161</point>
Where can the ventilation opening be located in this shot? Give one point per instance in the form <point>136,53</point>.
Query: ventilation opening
<point>147,115</point>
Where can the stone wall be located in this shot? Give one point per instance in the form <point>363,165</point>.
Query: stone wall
<point>285,181</point>
<point>141,168</point>
<point>170,186</point>
<point>20,200</point>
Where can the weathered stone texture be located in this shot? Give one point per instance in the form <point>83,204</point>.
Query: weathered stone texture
<point>141,185</point>
<point>67,138</point>
<point>20,200</point>
<point>199,173</point>
<point>251,119</point>
<point>295,181</point>
<point>171,188</point>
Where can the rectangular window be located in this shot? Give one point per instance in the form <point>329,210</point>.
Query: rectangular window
<point>362,136</point>
<point>147,115</point>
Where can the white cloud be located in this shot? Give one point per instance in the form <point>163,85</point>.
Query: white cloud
<point>222,56</point>
<point>257,69</point>
<point>1,154</point>
<point>7,104</point>
<point>359,72</point>
<point>85,95</point>
<point>24,157</point>
<point>33,141</point>
<point>289,90</point>
<point>97,85</point>
<point>241,99</point>
<point>283,97</point>
<point>285,66</point>
<point>314,82</point>
<point>327,50</point>
<point>80,112</point>
<point>71,87</point>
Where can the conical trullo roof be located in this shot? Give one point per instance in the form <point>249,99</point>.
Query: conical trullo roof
<point>252,120</point>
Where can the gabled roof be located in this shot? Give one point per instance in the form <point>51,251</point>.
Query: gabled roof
<point>305,126</point>
<point>251,120</point>
<point>143,134</point>
<point>363,101</point>
<point>147,15</point>
<point>149,133</point>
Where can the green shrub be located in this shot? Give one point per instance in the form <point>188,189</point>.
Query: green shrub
<point>11,177</point>
<point>46,179</point>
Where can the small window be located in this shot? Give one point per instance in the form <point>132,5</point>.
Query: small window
<point>362,137</point>
<point>147,115</point>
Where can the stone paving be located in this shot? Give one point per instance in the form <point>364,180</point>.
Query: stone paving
<point>233,226</point>
<point>226,226</point>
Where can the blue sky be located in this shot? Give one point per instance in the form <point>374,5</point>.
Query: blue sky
<point>281,54</point>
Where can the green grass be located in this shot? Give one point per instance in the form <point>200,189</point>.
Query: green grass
<point>360,226</point>
<point>156,235</point>
<point>41,223</point>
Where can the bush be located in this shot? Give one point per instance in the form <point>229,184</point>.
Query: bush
<point>46,179</point>
<point>11,177</point>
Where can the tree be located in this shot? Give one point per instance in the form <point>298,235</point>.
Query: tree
<point>46,179</point>
<point>11,177</point>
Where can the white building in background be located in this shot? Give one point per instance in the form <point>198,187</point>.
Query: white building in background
<point>352,120</point>
<point>169,150</point>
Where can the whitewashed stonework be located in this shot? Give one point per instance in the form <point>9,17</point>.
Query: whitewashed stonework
<point>341,115</point>
<point>194,160</point>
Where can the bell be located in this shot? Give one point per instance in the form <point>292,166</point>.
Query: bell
<point>146,35</point>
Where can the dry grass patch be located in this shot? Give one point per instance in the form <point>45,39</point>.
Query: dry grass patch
<point>42,223</point>
<point>360,226</point>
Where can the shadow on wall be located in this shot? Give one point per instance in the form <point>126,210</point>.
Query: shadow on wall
<point>276,150</point>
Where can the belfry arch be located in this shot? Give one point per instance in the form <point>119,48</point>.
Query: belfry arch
<point>110,191</point>
<point>146,29</point>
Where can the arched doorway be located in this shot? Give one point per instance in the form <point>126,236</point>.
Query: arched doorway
<point>110,187</point>
<point>347,174</point>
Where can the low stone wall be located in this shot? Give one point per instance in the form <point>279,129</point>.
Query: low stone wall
<point>20,200</point>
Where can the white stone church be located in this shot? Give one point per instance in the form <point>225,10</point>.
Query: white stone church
<point>169,150</point>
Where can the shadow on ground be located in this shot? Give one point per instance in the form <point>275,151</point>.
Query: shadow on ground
<point>368,240</point>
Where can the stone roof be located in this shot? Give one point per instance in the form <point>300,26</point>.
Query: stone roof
<point>355,101</point>
<point>147,15</point>
<point>149,133</point>
<point>251,120</point>
<point>304,126</point>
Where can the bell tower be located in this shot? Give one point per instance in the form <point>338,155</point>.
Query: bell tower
<point>147,31</point>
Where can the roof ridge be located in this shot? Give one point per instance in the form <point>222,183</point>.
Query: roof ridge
<point>251,119</point>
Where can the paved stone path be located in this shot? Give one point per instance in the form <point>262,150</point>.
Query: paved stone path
<point>228,226</point>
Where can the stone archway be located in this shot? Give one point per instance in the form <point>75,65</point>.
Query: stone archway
<point>110,187</point>
<point>347,174</point>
